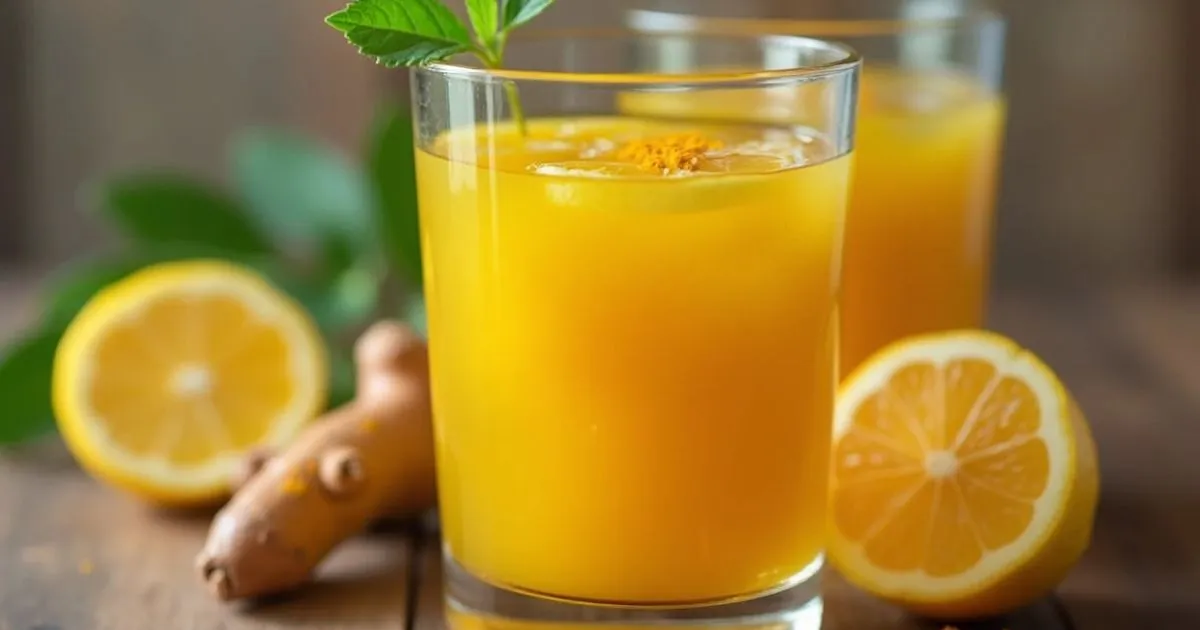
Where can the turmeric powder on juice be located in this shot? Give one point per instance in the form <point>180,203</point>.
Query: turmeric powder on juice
<point>668,154</point>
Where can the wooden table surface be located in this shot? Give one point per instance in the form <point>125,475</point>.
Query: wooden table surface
<point>76,556</point>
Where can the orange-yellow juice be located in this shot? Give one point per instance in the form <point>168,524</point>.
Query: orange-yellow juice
<point>919,228</point>
<point>633,370</point>
<point>919,231</point>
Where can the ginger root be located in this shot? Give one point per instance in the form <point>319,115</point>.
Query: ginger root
<point>371,457</point>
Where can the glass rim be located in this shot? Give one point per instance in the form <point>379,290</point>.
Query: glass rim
<point>846,59</point>
<point>813,28</point>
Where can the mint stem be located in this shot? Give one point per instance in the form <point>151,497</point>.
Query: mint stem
<point>514,102</point>
<point>417,32</point>
<point>492,54</point>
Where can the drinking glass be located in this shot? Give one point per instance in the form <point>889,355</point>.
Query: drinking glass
<point>632,326</point>
<point>931,120</point>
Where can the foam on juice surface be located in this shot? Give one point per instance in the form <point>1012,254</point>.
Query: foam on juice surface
<point>637,148</point>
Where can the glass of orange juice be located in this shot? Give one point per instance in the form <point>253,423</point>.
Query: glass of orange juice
<point>632,327</point>
<point>931,117</point>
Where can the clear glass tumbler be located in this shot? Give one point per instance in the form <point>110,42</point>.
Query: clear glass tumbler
<point>632,325</point>
<point>930,126</point>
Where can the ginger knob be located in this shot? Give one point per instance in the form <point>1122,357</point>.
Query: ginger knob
<point>371,457</point>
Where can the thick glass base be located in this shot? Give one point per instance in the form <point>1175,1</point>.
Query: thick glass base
<point>472,604</point>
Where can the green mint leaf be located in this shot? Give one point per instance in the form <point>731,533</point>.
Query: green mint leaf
<point>160,209</point>
<point>392,170</point>
<point>393,50</point>
<point>520,12</point>
<point>485,18</point>
<point>305,194</point>
<point>26,369</point>
<point>402,32</point>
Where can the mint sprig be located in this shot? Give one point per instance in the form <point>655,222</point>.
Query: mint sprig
<point>418,32</point>
<point>485,19</point>
<point>520,13</point>
<point>402,32</point>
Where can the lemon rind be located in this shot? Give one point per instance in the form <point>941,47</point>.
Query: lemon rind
<point>1049,510</point>
<point>154,476</point>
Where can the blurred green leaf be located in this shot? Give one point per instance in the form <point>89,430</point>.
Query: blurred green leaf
<point>168,209</point>
<point>341,377</point>
<point>392,167</point>
<point>26,367</point>
<point>302,191</point>
<point>336,305</point>
<point>71,290</point>
<point>339,255</point>
<point>295,193</point>
<point>340,308</point>
<point>414,314</point>
<point>356,293</point>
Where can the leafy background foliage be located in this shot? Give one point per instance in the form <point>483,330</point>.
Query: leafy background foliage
<point>338,234</point>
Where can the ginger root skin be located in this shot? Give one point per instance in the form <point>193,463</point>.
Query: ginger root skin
<point>371,457</point>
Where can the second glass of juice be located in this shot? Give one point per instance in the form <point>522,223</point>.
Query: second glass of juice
<point>931,117</point>
<point>633,328</point>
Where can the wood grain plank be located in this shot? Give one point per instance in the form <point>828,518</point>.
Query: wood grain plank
<point>846,608</point>
<point>1161,322</point>
<point>78,556</point>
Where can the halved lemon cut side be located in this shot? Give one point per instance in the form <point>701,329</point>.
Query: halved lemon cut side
<point>964,478</point>
<point>167,378</point>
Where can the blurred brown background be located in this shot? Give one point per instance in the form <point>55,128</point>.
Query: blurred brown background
<point>1096,181</point>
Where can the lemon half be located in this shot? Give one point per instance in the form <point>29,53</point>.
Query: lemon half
<point>167,378</point>
<point>964,477</point>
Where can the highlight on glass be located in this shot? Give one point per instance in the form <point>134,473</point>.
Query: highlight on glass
<point>632,323</point>
<point>931,120</point>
